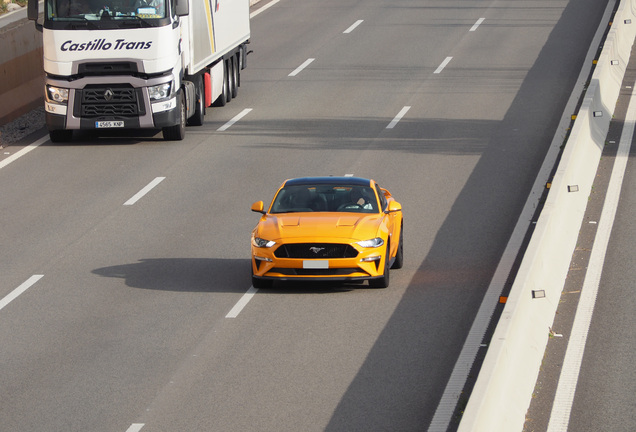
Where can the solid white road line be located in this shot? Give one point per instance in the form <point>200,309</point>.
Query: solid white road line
<point>353,26</point>
<point>562,405</point>
<point>17,155</point>
<point>236,118</point>
<point>264,8</point>
<point>135,427</point>
<point>238,307</point>
<point>398,117</point>
<point>144,191</point>
<point>441,67</point>
<point>19,290</point>
<point>477,24</point>
<point>301,67</point>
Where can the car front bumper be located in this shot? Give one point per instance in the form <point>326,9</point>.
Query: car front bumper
<point>369,264</point>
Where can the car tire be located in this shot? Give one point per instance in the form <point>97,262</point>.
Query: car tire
<point>259,283</point>
<point>399,255</point>
<point>383,282</point>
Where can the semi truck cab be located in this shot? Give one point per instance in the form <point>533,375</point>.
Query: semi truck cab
<point>138,64</point>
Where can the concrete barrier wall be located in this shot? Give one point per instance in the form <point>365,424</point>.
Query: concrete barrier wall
<point>21,73</point>
<point>503,391</point>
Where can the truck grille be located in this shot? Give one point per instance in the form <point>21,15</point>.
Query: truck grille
<point>122,101</point>
<point>315,250</point>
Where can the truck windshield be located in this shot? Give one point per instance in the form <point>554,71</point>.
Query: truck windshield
<point>100,10</point>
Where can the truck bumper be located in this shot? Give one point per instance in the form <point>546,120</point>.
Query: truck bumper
<point>159,121</point>
<point>137,113</point>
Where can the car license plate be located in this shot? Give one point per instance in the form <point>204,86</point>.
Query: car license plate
<point>109,124</point>
<point>316,264</point>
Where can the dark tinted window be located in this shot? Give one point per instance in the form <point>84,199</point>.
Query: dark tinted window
<point>321,198</point>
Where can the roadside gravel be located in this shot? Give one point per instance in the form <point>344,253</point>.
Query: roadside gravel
<point>21,127</point>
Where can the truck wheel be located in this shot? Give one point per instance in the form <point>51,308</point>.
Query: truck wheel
<point>230,79</point>
<point>225,96</point>
<point>199,109</point>
<point>62,135</point>
<point>235,70</point>
<point>239,66</point>
<point>177,132</point>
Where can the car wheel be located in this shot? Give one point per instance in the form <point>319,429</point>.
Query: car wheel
<point>383,281</point>
<point>259,283</point>
<point>399,256</point>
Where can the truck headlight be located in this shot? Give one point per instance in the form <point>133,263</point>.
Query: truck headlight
<point>57,94</point>
<point>160,91</point>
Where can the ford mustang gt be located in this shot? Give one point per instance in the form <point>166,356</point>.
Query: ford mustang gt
<point>327,228</point>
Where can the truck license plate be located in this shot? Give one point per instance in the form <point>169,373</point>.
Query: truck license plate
<point>109,124</point>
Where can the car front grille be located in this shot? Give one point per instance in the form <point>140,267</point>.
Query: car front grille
<point>315,250</point>
<point>317,272</point>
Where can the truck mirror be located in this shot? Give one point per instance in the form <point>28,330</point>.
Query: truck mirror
<point>33,13</point>
<point>32,10</point>
<point>183,7</point>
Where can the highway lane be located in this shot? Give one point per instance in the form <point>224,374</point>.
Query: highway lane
<point>128,323</point>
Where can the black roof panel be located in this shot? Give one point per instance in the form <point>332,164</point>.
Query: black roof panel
<point>343,181</point>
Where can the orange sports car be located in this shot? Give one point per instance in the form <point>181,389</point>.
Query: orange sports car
<point>328,228</point>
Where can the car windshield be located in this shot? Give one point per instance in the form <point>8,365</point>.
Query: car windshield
<point>325,198</point>
<point>93,10</point>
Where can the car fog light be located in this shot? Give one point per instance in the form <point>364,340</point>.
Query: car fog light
<point>262,258</point>
<point>371,259</point>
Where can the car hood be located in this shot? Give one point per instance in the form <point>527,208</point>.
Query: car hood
<point>319,226</point>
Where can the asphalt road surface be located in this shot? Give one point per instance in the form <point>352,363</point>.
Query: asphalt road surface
<point>122,322</point>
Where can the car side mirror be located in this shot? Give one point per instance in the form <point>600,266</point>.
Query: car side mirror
<point>394,206</point>
<point>258,207</point>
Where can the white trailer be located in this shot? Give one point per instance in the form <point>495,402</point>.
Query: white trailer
<point>139,64</point>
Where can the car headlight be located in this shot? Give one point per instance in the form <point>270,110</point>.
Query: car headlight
<point>57,94</point>
<point>372,243</point>
<point>262,243</point>
<point>160,91</point>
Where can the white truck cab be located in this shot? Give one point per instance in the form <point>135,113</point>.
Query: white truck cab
<point>139,64</point>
